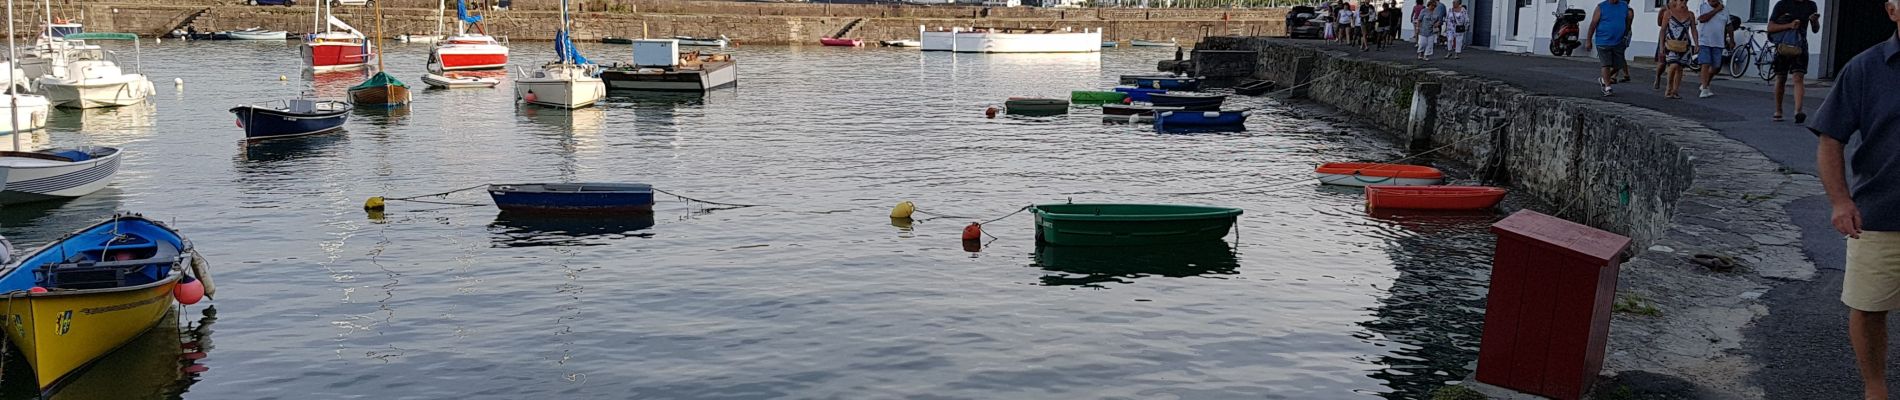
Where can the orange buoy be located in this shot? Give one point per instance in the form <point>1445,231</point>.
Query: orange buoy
<point>990,112</point>
<point>36,289</point>
<point>189,292</point>
<point>973,245</point>
<point>530,97</point>
<point>973,232</point>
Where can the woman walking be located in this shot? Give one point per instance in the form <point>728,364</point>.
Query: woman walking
<point>1679,32</point>
<point>1460,22</point>
<point>1431,21</point>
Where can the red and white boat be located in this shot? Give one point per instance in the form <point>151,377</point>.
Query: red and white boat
<point>469,51</point>
<point>336,50</point>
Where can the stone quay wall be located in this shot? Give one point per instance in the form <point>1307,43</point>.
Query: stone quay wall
<point>1603,164</point>
<point>745,23</point>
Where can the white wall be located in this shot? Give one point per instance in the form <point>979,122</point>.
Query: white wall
<point>1646,32</point>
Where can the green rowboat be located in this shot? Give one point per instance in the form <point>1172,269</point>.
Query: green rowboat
<point>1130,224</point>
<point>1033,106</point>
<point>1094,97</point>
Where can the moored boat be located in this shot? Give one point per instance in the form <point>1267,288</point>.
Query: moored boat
<point>90,79</point>
<point>56,173</point>
<point>1201,119</point>
<point>1134,109</point>
<point>1433,197</point>
<point>840,42</point>
<point>465,50</point>
<point>29,112</point>
<point>452,80</point>
<point>257,33</point>
<point>1010,40</point>
<point>1035,106</point>
<point>1254,88</point>
<point>720,41</point>
<point>333,49</point>
<point>901,43</point>
<point>616,40</point>
<point>1171,83</point>
<point>1190,102</point>
<point>1367,174</point>
<point>86,294</point>
<point>1110,43</point>
<point>568,82</point>
<point>288,118</point>
<point>658,65</point>
<point>1139,94</point>
<point>1096,97</point>
<point>382,90</point>
<point>1153,43</point>
<point>1130,224</point>
<point>1131,79</point>
<point>572,197</point>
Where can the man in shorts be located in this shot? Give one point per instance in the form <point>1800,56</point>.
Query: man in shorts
<point>1868,212</point>
<point>1712,25</point>
<point>1608,30</point>
<point>1792,21</point>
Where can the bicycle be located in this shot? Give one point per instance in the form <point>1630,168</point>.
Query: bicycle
<point>1755,52</point>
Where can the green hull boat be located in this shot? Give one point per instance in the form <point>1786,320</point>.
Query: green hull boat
<point>1036,106</point>
<point>1094,97</point>
<point>1130,224</point>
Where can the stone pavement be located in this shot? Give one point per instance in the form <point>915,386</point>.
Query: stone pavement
<point>1797,347</point>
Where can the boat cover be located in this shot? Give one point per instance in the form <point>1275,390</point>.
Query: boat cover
<point>378,80</point>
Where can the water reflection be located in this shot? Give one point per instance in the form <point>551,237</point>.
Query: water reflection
<point>162,363</point>
<point>532,230</point>
<point>136,117</point>
<point>1435,308</point>
<point>579,121</point>
<point>29,141</point>
<point>1094,266</point>
<point>257,156</point>
<point>382,116</point>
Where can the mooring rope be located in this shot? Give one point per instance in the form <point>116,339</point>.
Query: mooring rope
<point>707,202</point>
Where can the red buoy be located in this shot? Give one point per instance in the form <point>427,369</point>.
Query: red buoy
<point>530,97</point>
<point>36,289</point>
<point>1128,100</point>
<point>990,112</point>
<point>973,232</point>
<point>189,293</point>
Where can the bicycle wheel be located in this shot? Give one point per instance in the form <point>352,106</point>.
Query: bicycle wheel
<point>1738,61</point>
<point>1765,64</point>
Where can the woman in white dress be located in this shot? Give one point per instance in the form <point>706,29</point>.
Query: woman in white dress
<point>1458,28</point>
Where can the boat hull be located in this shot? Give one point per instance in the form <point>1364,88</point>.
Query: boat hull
<point>62,332</point>
<point>453,59</point>
<point>1187,84</point>
<point>123,90</point>
<point>1433,197</point>
<point>1139,94</point>
<point>1095,97</point>
<point>1130,224</point>
<point>557,93</point>
<point>998,42</point>
<point>1200,119</point>
<point>1119,109</point>
<point>26,184</point>
<point>389,95</point>
<point>711,75</point>
<point>440,81</point>
<point>1367,174</point>
<point>263,123</point>
<point>510,199</point>
<point>265,35</point>
<point>835,42</point>
<point>335,56</point>
<point>1036,107</point>
<point>1187,102</point>
<point>30,111</point>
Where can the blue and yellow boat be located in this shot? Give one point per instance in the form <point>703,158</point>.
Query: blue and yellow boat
<point>78,298</point>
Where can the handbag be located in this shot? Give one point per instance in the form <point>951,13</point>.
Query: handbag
<point>1787,43</point>
<point>1677,46</point>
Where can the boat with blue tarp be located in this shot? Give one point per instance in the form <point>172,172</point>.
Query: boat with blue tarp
<point>1201,119</point>
<point>1188,84</point>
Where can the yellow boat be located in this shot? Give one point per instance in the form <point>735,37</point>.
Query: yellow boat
<point>72,301</point>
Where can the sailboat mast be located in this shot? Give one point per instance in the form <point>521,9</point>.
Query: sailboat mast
<point>316,18</point>
<point>441,7</point>
<point>379,36</point>
<point>567,47</point>
<point>13,98</point>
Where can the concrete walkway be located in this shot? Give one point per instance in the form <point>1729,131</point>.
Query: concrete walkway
<point>1801,345</point>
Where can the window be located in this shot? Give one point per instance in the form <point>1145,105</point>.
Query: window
<point>1758,11</point>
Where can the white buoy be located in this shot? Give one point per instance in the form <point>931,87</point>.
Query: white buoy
<point>158,40</point>
<point>180,82</point>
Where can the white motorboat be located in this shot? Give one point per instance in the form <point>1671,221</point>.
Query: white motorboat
<point>407,38</point>
<point>570,82</point>
<point>1011,40</point>
<point>465,50</point>
<point>454,81</point>
<point>902,43</point>
<point>721,41</point>
<point>28,110</point>
<point>258,34</point>
<point>658,65</point>
<point>56,173</point>
<point>1153,43</point>
<point>92,80</point>
<point>16,80</point>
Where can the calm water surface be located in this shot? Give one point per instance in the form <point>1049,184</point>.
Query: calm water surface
<point>819,294</point>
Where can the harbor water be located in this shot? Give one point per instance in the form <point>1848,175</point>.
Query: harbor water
<point>816,294</point>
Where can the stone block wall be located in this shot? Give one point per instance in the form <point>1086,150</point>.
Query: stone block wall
<point>1604,164</point>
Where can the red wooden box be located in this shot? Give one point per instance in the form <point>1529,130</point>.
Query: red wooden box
<point>1547,317</point>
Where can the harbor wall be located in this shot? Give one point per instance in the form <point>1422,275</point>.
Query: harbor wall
<point>1604,164</point>
<point>745,23</point>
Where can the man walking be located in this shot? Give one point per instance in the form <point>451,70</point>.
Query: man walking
<point>1788,29</point>
<point>1712,26</point>
<point>1609,29</point>
<point>1868,212</point>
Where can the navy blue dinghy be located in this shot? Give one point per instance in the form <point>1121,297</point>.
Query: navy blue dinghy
<point>294,117</point>
<point>1187,84</point>
<point>1201,120</point>
<point>1138,94</point>
<point>1190,102</point>
<point>573,197</point>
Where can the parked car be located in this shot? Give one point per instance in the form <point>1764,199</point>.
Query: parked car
<point>1304,22</point>
<point>285,3</point>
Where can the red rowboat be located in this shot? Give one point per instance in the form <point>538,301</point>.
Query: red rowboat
<point>841,42</point>
<point>1433,197</point>
<point>1367,174</point>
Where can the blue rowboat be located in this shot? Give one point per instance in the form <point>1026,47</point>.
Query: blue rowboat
<point>1175,120</point>
<point>573,197</point>
<point>1188,84</point>
<point>288,118</point>
<point>1138,94</point>
<point>1189,102</point>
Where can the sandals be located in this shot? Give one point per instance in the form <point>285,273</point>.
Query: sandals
<point>1800,117</point>
<point>1777,118</point>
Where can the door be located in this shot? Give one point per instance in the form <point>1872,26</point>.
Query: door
<point>1481,22</point>
<point>1857,25</point>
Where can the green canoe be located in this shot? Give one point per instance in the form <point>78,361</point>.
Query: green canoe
<point>1094,97</point>
<point>1130,224</point>
<point>1036,106</point>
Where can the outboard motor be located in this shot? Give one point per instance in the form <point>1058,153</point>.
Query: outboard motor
<point>1563,35</point>
<point>6,251</point>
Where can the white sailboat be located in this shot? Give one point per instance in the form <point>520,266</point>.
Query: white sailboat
<point>49,174</point>
<point>28,112</point>
<point>90,79</point>
<point>570,82</point>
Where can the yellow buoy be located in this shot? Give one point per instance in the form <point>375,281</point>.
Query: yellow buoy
<point>374,204</point>
<point>903,210</point>
<point>283,78</point>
